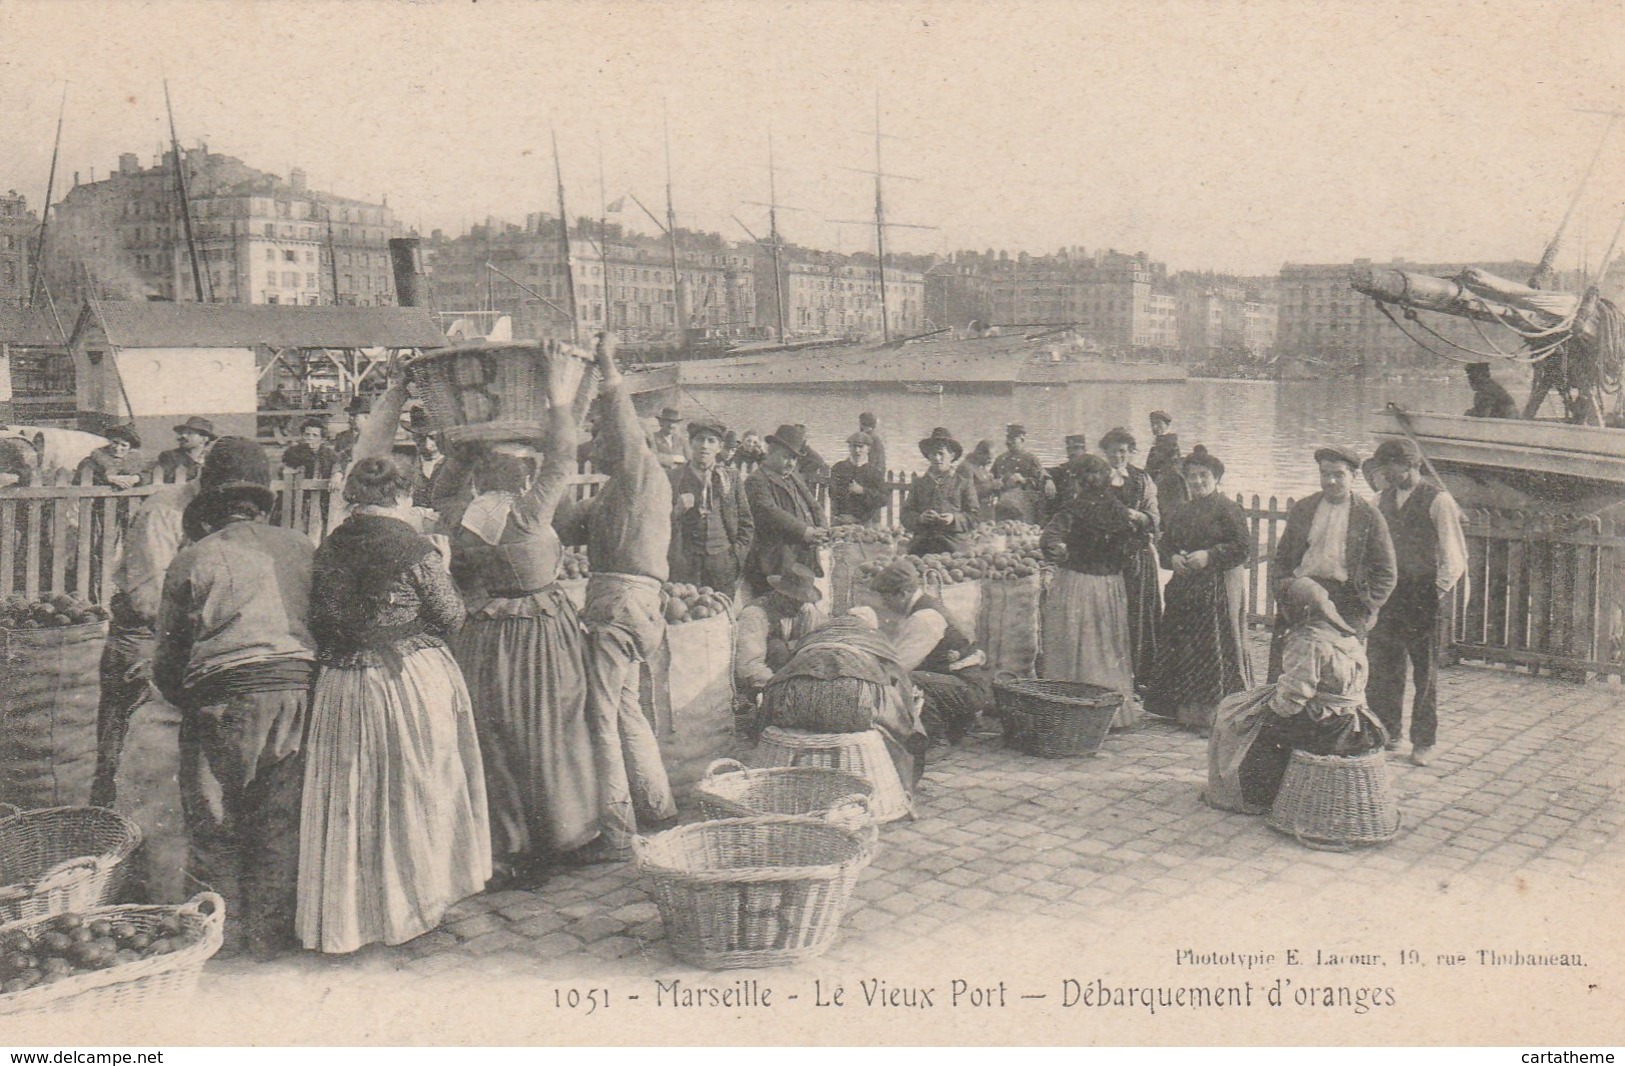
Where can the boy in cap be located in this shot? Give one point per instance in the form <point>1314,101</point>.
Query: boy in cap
<point>184,461</point>
<point>1020,477</point>
<point>768,630</point>
<point>115,464</point>
<point>857,490</point>
<point>947,667</point>
<point>1430,551</point>
<point>711,524</point>
<point>1162,461</point>
<point>1340,540</point>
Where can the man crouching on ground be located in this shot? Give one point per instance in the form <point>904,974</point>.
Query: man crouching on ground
<point>628,535</point>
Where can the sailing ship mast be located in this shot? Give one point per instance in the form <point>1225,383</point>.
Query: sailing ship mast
<point>678,314</point>
<point>880,222</point>
<point>603,239</point>
<point>564,248</point>
<point>186,200</point>
<point>773,233</point>
<point>45,213</point>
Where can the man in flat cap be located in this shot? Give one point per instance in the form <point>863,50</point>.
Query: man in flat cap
<point>711,524</point>
<point>1019,477</point>
<point>1162,461</point>
<point>1431,554</point>
<point>1341,541</point>
<point>1063,479</point>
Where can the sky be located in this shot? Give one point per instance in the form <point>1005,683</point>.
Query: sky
<point>1229,136</point>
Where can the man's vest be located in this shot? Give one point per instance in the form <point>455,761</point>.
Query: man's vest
<point>1416,538</point>
<point>953,639</point>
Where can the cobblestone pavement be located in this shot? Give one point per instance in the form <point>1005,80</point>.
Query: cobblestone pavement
<point>1524,784</point>
<point>1013,852</point>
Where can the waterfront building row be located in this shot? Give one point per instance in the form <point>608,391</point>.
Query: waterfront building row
<point>261,239</point>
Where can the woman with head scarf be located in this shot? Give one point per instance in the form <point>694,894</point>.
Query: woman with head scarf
<point>521,654</point>
<point>1085,613</point>
<point>395,827</point>
<point>1317,705</point>
<point>1202,643</point>
<point>1136,491</point>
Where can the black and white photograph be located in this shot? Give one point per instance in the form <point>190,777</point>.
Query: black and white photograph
<point>784,524</point>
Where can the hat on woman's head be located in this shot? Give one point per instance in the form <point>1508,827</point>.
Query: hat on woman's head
<point>940,438</point>
<point>982,454</point>
<point>1200,456</point>
<point>238,465</point>
<point>1118,435</point>
<point>797,583</point>
<point>127,434</point>
<point>898,577</point>
<point>1307,594</point>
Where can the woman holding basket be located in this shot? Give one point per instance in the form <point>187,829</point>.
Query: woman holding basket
<point>521,650</point>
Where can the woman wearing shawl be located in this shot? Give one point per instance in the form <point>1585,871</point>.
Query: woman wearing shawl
<point>1085,622</point>
<point>1317,705</point>
<point>521,654</point>
<point>394,826</point>
<point>845,678</point>
<point>1136,491</point>
<point>1202,642</point>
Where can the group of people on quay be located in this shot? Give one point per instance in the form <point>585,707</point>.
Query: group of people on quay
<point>378,726</point>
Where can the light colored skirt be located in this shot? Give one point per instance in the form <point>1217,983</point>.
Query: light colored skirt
<point>1086,636</point>
<point>395,828</point>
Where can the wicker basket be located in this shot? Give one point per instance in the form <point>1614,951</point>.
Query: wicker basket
<point>1055,719</point>
<point>730,790</point>
<point>160,978</point>
<point>492,392</point>
<point>1336,802</point>
<point>60,859</point>
<point>863,754</point>
<point>753,891</point>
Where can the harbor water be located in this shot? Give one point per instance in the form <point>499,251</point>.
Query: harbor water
<point>1263,431</point>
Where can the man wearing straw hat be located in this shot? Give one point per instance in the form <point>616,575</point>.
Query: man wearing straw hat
<point>628,539</point>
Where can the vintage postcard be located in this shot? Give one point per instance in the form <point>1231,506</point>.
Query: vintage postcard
<point>840,523</point>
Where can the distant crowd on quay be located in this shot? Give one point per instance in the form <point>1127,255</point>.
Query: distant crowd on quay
<point>415,709</point>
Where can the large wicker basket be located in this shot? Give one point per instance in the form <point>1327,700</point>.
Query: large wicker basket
<point>730,790</point>
<point>492,392</point>
<point>753,891</point>
<point>159,979</point>
<point>1055,719</point>
<point>863,754</point>
<point>60,859</point>
<point>1336,802</point>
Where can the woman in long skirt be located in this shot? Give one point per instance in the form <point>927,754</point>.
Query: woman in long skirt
<point>1136,491</point>
<point>1317,705</point>
<point>1085,614</point>
<point>394,826</point>
<point>521,654</point>
<point>1202,645</point>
